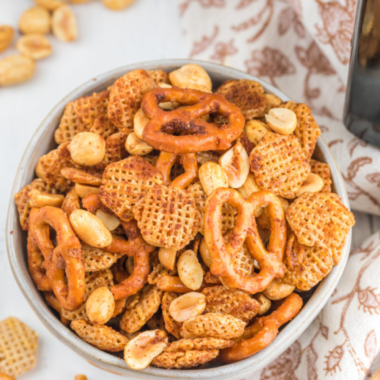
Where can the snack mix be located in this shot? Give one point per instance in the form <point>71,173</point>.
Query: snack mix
<point>178,224</point>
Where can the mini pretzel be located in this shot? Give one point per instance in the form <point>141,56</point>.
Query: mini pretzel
<point>196,134</point>
<point>67,254</point>
<point>222,254</point>
<point>165,163</point>
<point>264,331</point>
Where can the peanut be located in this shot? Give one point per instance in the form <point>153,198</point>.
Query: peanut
<point>273,100</point>
<point>264,302</point>
<point>80,377</point>
<point>110,221</point>
<point>187,306</point>
<point>64,24</point>
<point>136,146</point>
<point>87,148</point>
<point>38,199</point>
<point>100,306</point>
<point>142,349</point>
<point>90,229</point>
<point>313,184</point>
<point>190,270</point>
<point>235,164</point>
<point>6,37</point>
<point>255,130</point>
<point>35,46</point>
<point>277,290</point>
<point>117,5</point>
<point>49,4</point>
<point>140,120</point>
<point>35,20</point>
<point>281,120</point>
<point>167,257</point>
<point>205,254</point>
<point>84,190</point>
<point>16,69</point>
<point>212,176</point>
<point>191,76</point>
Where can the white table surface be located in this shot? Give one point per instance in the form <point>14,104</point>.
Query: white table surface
<point>106,40</point>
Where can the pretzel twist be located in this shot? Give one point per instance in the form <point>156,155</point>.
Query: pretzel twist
<point>134,247</point>
<point>165,163</point>
<point>68,284</point>
<point>263,331</point>
<point>196,134</point>
<point>222,253</point>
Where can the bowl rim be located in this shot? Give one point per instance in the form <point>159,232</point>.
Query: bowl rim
<point>114,364</point>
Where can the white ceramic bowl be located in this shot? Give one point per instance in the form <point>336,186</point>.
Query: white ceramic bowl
<point>43,141</point>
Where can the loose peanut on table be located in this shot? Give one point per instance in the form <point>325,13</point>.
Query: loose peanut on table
<point>50,4</point>
<point>117,5</point>
<point>35,46</point>
<point>64,24</point>
<point>35,20</point>
<point>16,69</point>
<point>6,37</point>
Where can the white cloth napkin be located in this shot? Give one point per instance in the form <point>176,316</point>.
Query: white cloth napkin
<point>303,48</point>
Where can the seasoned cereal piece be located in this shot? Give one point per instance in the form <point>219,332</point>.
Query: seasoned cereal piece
<point>188,359</point>
<point>125,183</point>
<point>126,96</point>
<point>172,326</point>
<point>229,212</point>
<point>23,197</point>
<point>230,301</point>
<point>167,217</point>
<point>320,219</point>
<point>199,344</point>
<point>137,316</point>
<point>159,76</point>
<point>279,164</point>
<point>308,266</point>
<point>103,127</point>
<point>18,347</point>
<point>69,126</point>
<point>115,148</point>
<point>307,131</point>
<point>88,108</point>
<point>213,325</point>
<point>101,336</point>
<point>248,95</point>
<point>96,259</point>
<point>323,170</point>
<point>50,165</point>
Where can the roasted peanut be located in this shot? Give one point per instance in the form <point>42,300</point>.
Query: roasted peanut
<point>277,290</point>
<point>142,349</point>
<point>249,187</point>
<point>212,176</point>
<point>187,306</point>
<point>235,164</point>
<point>129,265</point>
<point>35,20</point>
<point>167,257</point>
<point>49,4</point>
<point>284,202</point>
<point>35,46</point>
<point>87,148</point>
<point>90,229</point>
<point>80,377</point>
<point>64,24</point>
<point>205,253</point>
<point>191,76</point>
<point>16,69</point>
<point>117,5</point>
<point>79,1</point>
<point>273,100</point>
<point>110,221</point>
<point>100,306</point>
<point>313,184</point>
<point>84,190</point>
<point>264,302</point>
<point>39,199</point>
<point>136,146</point>
<point>140,120</point>
<point>190,270</point>
<point>6,36</point>
<point>255,130</point>
<point>281,120</point>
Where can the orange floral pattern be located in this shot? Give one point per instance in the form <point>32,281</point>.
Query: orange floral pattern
<point>303,48</point>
